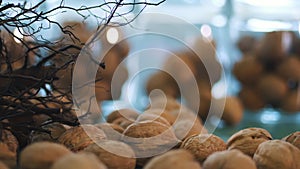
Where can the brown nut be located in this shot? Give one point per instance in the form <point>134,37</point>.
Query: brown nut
<point>114,154</point>
<point>164,103</point>
<point>272,88</point>
<point>163,113</point>
<point>275,154</point>
<point>188,127</point>
<point>247,140</point>
<point>9,139</point>
<point>233,110</point>
<point>123,122</point>
<point>244,72</point>
<point>289,69</point>
<point>79,137</point>
<point>175,159</point>
<point>290,103</point>
<point>148,138</point>
<point>152,117</point>
<point>55,129</point>
<point>42,155</point>
<point>246,44</point>
<point>231,159</point>
<point>3,166</point>
<point>79,161</point>
<point>7,156</point>
<point>126,113</point>
<point>251,99</point>
<point>203,145</point>
<point>294,139</point>
<point>112,131</point>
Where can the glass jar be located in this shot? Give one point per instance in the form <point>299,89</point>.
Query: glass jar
<point>265,62</point>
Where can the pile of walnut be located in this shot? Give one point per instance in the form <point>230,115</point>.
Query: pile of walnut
<point>184,67</point>
<point>269,71</point>
<point>104,145</point>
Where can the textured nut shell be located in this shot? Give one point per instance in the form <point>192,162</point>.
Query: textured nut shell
<point>188,127</point>
<point>42,155</point>
<point>7,157</point>
<point>294,139</point>
<point>152,117</point>
<point>127,113</point>
<point>232,159</point>
<point>55,129</point>
<point>247,140</point>
<point>10,140</point>
<point>114,154</point>
<point>123,122</point>
<point>141,137</point>
<point>167,104</point>
<point>77,139</point>
<point>164,113</point>
<point>79,161</point>
<point>112,131</point>
<point>203,145</point>
<point>3,166</point>
<point>275,154</point>
<point>175,159</point>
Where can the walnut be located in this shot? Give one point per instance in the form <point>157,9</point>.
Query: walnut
<point>188,127</point>
<point>163,113</point>
<point>231,159</point>
<point>114,154</point>
<point>55,129</point>
<point>126,113</point>
<point>175,159</point>
<point>294,139</point>
<point>3,166</point>
<point>275,154</point>
<point>248,140</point>
<point>7,156</point>
<point>251,99</point>
<point>6,137</point>
<point>148,138</point>
<point>112,131</point>
<point>152,117</point>
<point>164,103</point>
<point>203,145</point>
<point>42,155</point>
<point>289,69</point>
<point>290,103</point>
<point>123,122</point>
<point>79,137</point>
<point>79,161</point>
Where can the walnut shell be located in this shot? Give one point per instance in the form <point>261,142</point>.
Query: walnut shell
<point>163,113</point>
<point>164,103</point>
<point>3,166</point>
<point>79,161</point>
<point>231,159</point>
<point>294,139</point>
<point>275,154</point>
<point>152,117</point>
<point>7,157</point>
<point>112,131</point>
<point>188,127</point>
<point>272,88</point>
<point>244,72</point>
<point>126,113</point>
<point>175,159</point>
<point>79,137</point>
<point>123,122</point>
<point>55,129</point>
<point>247,140</point>
<point>289,69</point>
<point>10,140</point>
<point>114,154</point>
<point>148,138</point>
<point>290,103</point>
<point>251,99</point>
<point>203,145</point>
<point>42,155</point>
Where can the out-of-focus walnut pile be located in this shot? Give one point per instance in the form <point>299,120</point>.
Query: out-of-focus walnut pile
<point>202,66</point>
<point>156,138</point>
<point>269,71</point>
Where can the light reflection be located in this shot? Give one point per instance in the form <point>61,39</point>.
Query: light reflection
<point>267,25</point>
<point>270,116</point>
